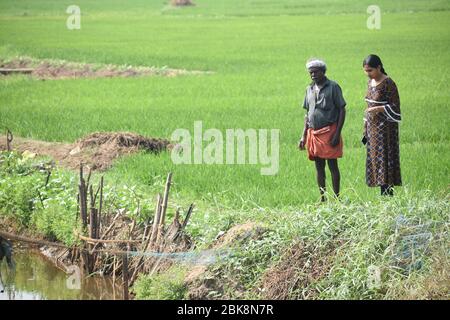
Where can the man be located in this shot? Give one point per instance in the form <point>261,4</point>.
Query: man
<point>324,120</point>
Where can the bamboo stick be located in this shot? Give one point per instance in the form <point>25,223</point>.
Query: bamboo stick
<point>114,270</point>
<point>185,222</point>
<point>16,70</point>
<point>107,230</point>
<point>188,215</point>
<point>141,259</point>
<point>92,215</point>
<point>9,139</point>
<point>92,223</point>
<point>100,207</point>
<point>156,219</point>
<point>165,198</point>
<point>89,177</point>
<point>125,276</point>
<point>92,240</point>
<point>83,200</point>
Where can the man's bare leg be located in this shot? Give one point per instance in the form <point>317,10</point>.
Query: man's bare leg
<point>320,168</point>
<point>335,175</point>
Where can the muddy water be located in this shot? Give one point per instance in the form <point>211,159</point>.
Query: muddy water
<point>36,278</point>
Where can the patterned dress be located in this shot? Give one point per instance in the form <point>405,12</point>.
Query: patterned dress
<point>382,117</point>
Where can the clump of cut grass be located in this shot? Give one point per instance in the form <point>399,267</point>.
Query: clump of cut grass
<point>168,285</point>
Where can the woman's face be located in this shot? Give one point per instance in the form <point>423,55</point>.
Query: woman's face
<point>372,73</point>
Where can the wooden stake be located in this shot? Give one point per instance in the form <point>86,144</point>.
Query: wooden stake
<point>125,275</point>
<point>177,215</point>
<point>9,139</point>
<point>86,261</point>
<point>156,219</point>
<point>100,207</point>
<point>83,196</point>
<point>92,215</point>
<point>174,229</point>
<point>16,70</point>
<point>107,230</point>
<point>92,225</point>
<point>114,271</point>
<point>88,178</point>
<point>141,259</point>
<point>160,231</point>
<point>92,240</point>
<point>188,215</point>
<point>165,198</point>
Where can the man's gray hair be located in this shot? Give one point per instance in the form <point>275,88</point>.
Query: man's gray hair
<point>316,63</point>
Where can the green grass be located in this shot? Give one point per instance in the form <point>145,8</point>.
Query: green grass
<point>363,236</point>
<point>219,8</point>
<point>362,233</point>
<point>165,286</point>
<point>257,50</point>
<point>258,57</point>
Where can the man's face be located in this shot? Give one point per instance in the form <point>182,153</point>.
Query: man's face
<point>317,74</point>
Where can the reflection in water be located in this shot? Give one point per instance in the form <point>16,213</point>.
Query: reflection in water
<point>36,278</point>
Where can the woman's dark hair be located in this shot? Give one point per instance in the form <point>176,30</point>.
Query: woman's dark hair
<point>374,61</point>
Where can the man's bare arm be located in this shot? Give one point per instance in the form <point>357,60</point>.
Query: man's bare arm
<point>301,143</point>
<point>340,124</point>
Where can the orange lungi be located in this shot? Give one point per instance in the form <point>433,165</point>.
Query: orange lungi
<point>319,146</point>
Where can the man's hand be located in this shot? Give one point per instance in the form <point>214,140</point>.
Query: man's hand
<point>335,139</point>
<point>301,143</point>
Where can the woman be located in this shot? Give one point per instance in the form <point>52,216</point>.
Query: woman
<point>382,117</point>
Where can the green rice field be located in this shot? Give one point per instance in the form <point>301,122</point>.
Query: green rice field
<point>255,51</point>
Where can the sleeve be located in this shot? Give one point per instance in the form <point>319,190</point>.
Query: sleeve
<point>305,101</point>
<point>338,98</point>
<point>392,108</point>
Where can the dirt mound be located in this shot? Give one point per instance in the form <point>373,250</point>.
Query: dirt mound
<point>97,150</point>
<point>59,69</point>
<point>203,284</point>
<point>239,233</point>
<point>179,3</point>
<point>126,140</point>
<point>300,266</point>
